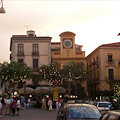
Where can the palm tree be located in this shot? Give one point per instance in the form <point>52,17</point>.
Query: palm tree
<point>73,73</point>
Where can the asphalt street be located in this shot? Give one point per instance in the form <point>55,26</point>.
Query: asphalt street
<point>32,114</point>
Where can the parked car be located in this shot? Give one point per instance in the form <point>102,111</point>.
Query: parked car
<point>103,106</point>
<point>71,101</point>
<point>111,115</point>
<point>78,111</point>
<point>80,101</point>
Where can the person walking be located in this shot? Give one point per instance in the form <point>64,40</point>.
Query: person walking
<point>23,103</point>
<point>3,103</point>
<point>43,102</point>
<point>11,99</point>
<point>47,107</point>
<point>18,106</point>
<point>13,106</point>
<point>50,103</point>
<point>0,108</point>
<point>7,106</point>
<point>115,104</point>
<point>57,103</point>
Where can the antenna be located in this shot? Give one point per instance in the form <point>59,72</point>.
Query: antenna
<point>27,26</point>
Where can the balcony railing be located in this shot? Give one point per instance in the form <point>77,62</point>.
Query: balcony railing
<point>110,61</point>
<point>20,54</point>
<point>115,79</point>
<point>35,53</point>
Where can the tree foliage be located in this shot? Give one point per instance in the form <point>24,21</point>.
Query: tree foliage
<point>51,73</point>
<point>14,72</point>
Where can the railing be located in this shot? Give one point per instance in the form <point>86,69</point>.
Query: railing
<point>115,79</point>
<point>35,53</point>
<point>20,54</point>
<point>110,61</point>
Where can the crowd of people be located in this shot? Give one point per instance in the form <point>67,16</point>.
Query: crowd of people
<point>12,105</point>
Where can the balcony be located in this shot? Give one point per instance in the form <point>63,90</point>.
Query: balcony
<point>20,54</point>
<point>35,53</point>
<point>112,80</point>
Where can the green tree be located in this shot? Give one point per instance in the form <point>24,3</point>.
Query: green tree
<point>13,73</point>
<point>74,73</point>
<point>51,73</point>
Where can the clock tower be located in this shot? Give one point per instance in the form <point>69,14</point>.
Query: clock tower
<point>67,44</point>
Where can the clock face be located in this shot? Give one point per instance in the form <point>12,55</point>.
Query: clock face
<point>67,43</point>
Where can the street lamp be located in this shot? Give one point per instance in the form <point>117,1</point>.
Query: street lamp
<point>41,81</point>
<point>2,10</point>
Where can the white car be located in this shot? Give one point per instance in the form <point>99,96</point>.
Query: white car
<point>103,106</point>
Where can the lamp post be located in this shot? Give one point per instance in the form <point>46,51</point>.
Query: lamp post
<point>2,10</point>
<point>41,81</point>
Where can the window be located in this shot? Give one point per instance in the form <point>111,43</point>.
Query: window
<point>20,49</point>
<point>20,60</point>
<point>35,64</point>
<point>111,74</point>
<point>30,35</point>
<point>35,48</point>
<point>110,59</point>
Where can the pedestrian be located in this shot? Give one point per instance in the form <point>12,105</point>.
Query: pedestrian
<point>50,103</point>
<point>57,105</point>
<point>11,99</point>
<point>3,103</point>
<point>28,103</point>
<point>13,106</point>
<point>23,103</point>
<point>115,104</point>
<point>7,106</point>
<point>18,106</point>
<point>43,102</point>
<point>38,102</point>
<point>0,108</point>
<point>47,107</point>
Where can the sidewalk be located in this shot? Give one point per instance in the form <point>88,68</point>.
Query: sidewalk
<point>32,114</point>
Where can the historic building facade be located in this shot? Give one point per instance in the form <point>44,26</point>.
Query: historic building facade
<point>31,50</point>
<point>66,50</point>
<point>36,51</point>
<point>104,63</point>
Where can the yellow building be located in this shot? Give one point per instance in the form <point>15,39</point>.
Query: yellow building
<point>104,63</point>
<point>66,50</point>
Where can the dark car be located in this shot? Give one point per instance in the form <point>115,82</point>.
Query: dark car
<point>111,115</point>
<point>78,111</point>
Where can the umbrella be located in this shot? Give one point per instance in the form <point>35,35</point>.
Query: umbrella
<point>44,90</point>
<point>28,90</point>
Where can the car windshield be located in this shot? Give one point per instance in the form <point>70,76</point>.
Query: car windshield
<point>104,105</point>
<point>82,112</point>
